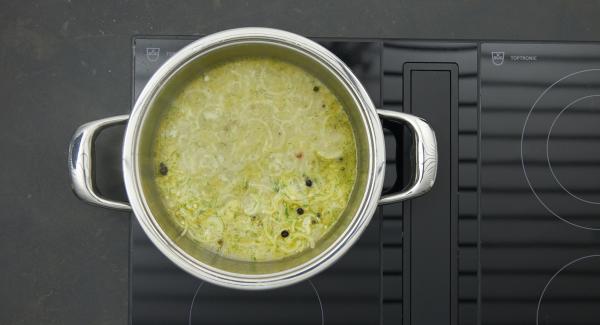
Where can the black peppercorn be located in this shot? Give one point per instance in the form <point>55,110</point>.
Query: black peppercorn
<point>300,211</point>
<point>285,233</point>
<point>308,182</point>
<point>162,169</point>
<point>316,88</point>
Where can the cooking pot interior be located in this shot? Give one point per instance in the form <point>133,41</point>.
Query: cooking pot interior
<point>170,89</point>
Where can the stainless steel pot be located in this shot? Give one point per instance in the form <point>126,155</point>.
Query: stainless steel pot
<point>216,48</point>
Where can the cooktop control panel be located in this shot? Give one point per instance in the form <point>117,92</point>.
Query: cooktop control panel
<point>509,233</point>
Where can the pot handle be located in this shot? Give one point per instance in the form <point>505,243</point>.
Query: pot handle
<point>425,156</point>
<point>81,158</point>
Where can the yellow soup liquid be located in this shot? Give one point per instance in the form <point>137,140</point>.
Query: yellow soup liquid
<point>255,159</point>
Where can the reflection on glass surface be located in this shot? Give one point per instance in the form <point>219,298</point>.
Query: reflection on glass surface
<point>540,156</point>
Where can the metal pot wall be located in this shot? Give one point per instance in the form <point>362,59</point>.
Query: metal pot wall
<point>219,47</point>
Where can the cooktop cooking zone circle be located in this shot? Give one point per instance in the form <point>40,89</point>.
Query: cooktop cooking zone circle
<point>593,102</point>
<point>253,307</point>
<point>560,149</point>
<point>571,293</point>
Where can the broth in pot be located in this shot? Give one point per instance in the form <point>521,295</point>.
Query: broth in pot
<point>255,159</point>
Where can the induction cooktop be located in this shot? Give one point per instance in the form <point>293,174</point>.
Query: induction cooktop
<point>510,234</point>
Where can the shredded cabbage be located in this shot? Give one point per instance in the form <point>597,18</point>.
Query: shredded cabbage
<point>260,159</point>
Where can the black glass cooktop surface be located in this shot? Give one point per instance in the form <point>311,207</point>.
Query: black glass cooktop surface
<point>510,233</point>
<point>540,184</point>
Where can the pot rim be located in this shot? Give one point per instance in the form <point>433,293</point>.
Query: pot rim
<point>376,164</point>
